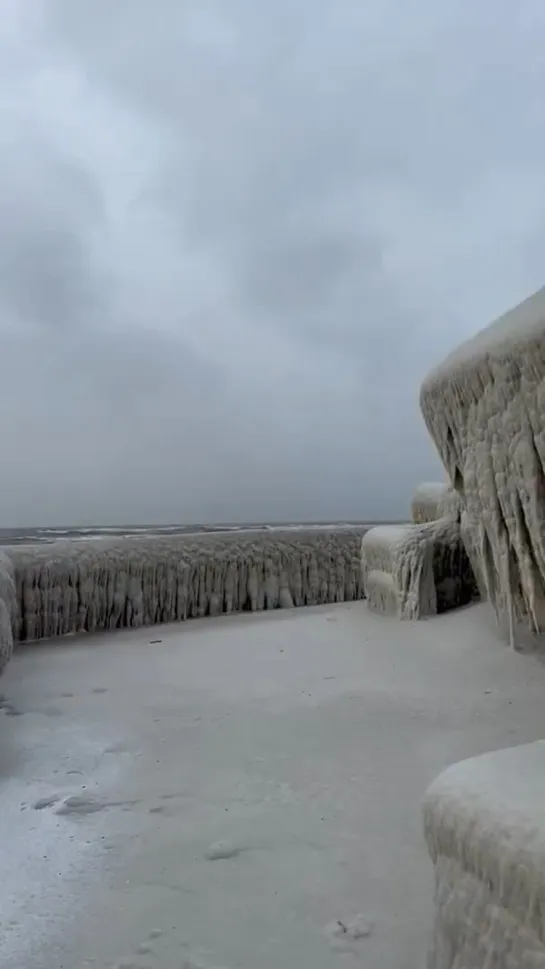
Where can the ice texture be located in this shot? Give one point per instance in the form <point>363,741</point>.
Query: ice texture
<point>450,505</point>
<point>7,609</point>
<point>412,571</point>
<point>426,502</point>
<point>483,823</point>
<point>72,587</point>
<point>485,409</point>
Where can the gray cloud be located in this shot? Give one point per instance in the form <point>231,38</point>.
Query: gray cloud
<point>234,238</point>
<point>48,207</point>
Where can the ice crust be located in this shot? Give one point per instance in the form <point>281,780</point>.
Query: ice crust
<point>73,587</point>
<point>412,571</point>
<point>427,501</point>
<point>483,823</point>
<point>485,410</point>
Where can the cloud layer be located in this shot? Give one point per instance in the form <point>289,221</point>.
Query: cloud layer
<point>235,237</point>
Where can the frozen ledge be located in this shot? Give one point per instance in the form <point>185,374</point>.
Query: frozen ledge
<point>484,407</point>
<point>484,822</point>
<point>74,587</point>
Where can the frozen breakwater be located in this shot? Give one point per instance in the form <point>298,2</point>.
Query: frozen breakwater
<point>74,587</point>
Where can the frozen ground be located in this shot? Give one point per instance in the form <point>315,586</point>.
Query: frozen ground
<point>240,787</point>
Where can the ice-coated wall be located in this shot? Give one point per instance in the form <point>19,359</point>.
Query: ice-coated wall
<point>483,822</point>
<point>485,410</point>
<point>7,608</point>
<point>71,587</point>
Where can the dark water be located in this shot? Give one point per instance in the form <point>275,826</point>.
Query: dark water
<point>46,536</point>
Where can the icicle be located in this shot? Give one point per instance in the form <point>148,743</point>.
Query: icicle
<point>509,592</point>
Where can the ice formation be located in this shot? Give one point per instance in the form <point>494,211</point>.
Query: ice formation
<point>432,571</point>
<point>378,553</point>
<point>412,571</point>
<point>427,500</point>
<point>73,587</point>
<point>7,608</point>
<point>483,822</point>
<point>485,410</point>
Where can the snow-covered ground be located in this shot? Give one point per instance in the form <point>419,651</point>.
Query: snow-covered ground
<point>241,792</point>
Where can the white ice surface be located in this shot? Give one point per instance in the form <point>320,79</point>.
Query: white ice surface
<point>293,747</point>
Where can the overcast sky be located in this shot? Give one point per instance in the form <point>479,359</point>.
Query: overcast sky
<point>234,236</point>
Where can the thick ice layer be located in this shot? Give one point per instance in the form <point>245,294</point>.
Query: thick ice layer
<point>7,609</point>
<point>483,822</point>
<point>485,409</point>
<point>84,586</point>
<point>414,571</point>
<point>427,499</point>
